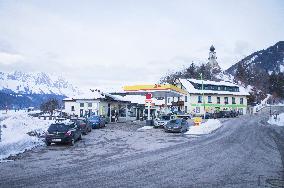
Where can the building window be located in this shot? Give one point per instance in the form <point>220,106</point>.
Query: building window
<point>89,104</point>
<point>226,100</point>
<point>209,99</point>
<point>241,101</point>
<point>72,108</point>
<point>233,100</point>
<point>185,109</point>
<point>218,100</point>
<point>168,100</point>
<point>185,99</point>
<point>219,88</point>
<point>81,104</point>
<point>199,99</point>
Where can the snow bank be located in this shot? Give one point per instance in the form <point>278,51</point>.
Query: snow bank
<point>14,133</point>
<point>279,121</point>
<point>262,104</point>
<point>205,128</point>
<point>145,128</point>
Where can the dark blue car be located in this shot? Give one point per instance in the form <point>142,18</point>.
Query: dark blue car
<point>96,122</point>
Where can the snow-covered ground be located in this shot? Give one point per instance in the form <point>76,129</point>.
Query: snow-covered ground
<point>279,104</point>
<point>278,121</point>
<point>205,128</point>
<point>145,128</point>
<point>15,126</point>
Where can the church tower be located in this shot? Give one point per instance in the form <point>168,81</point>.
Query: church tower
<point>213,59</point>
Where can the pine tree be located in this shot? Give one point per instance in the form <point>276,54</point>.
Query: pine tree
<point>241,74</point>
<point>190,72</point>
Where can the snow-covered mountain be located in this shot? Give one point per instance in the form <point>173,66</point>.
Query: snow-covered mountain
<point>264,70</point>
<point>36,83</point>
<point>270,60</point>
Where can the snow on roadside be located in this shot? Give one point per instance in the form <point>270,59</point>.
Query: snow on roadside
<point>14,133</point>
<point>145,128</point>
<point>205,128</point>
<point>279,121</point>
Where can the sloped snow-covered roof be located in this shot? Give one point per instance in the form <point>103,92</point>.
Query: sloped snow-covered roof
<point>190,88</point>
<point>92,95</point>
<point>87,96</point>
<point>138,99</point>
<point>209,82</point>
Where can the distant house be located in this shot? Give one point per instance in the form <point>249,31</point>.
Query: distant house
<point>214,96</point>
<point>97,103</point>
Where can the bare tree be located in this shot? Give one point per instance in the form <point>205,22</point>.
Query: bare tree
<point>49,106</point>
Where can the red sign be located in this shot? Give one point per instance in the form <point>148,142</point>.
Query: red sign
<point>149,96</point>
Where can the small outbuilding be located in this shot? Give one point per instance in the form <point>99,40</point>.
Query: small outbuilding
<point>96,102</point>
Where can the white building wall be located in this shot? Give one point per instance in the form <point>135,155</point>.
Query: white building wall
<point>198,108</point>
<point>78,108</point>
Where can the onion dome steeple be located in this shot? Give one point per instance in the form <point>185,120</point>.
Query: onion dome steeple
<point>212,48</point>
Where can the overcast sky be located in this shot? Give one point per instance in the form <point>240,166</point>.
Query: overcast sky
<point>113,43</point>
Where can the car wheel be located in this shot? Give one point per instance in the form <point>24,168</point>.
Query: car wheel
<point>72,142</point>
<point>48,143</point>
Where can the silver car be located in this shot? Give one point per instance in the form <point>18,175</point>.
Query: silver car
<point>162,121</point>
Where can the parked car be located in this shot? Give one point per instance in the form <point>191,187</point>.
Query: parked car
<point>96,122</point>
<point>223,114</point>
<point>234,113</point>
<point>208,115</point>
<point>63,133</point>
<point>177,125</point>
<point>83,124</point>
<point>161,121</point>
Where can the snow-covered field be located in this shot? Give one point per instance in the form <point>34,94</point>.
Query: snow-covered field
<point>278,121</point>
<point>15,126</point>
<point>205,128</point>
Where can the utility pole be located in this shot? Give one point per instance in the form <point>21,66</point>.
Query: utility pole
<point>203,99</point>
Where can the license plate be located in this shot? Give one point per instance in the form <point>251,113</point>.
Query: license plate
<point>56,140</point>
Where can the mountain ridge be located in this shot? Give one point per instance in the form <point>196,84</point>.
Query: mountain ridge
<point>267,60</point>
<point>36,83</point>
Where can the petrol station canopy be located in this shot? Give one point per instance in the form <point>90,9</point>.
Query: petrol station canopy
<point>157,90</point>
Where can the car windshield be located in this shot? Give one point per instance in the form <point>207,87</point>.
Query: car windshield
<point>175,121</point>
<point>94,118</point>
<point>166,118</point>
<point>58,128</point>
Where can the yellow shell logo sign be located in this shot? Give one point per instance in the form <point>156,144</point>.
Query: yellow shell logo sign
<point>197,120</point>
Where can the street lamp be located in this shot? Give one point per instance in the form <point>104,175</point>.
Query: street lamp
<point>203,95</point>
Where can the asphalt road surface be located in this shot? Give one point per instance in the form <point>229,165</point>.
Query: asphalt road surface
<point>244,152</point>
